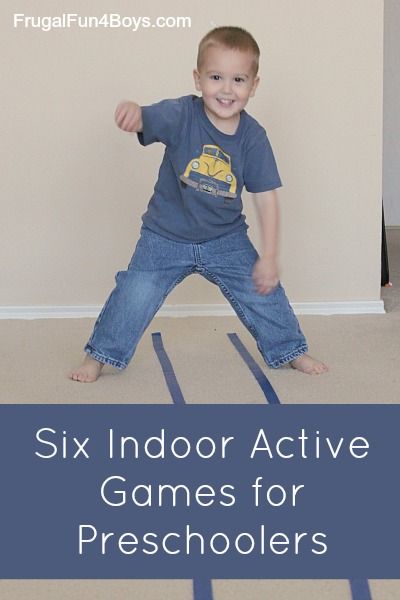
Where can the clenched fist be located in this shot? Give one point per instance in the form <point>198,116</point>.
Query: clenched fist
<point>128,116</point>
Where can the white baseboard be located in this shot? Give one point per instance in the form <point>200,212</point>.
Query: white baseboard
<point>357,307</point>
<point>191,310</point>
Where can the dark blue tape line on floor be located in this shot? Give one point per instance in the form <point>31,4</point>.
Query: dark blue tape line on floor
<point>202,589</point>
<point>261,378</point>
<point>169,374</point>
<point>360,589</point>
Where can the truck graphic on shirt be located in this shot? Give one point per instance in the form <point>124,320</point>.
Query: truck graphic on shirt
<point>211,173</point>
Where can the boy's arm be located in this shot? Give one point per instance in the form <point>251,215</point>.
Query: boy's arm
<point>265,271</point>
<point>128,117</point>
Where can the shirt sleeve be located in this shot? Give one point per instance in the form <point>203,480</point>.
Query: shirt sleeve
<point>162,122</point>
<point>260,172</point>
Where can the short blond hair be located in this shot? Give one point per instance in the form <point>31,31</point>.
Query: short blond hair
<point>235,38</point>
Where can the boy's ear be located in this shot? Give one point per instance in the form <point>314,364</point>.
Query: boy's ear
<point>196,77</point>
<point>255,85</point>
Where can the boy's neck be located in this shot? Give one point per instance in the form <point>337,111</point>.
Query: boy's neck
<point>227,126</point>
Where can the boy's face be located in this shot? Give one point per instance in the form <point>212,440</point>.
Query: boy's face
<point>226,80</point>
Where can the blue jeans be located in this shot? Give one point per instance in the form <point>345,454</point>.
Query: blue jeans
<point>159,264</point>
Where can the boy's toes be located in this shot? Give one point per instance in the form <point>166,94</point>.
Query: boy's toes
<point>88,372</point>
<point>74,375</point>
<point>310,366</point>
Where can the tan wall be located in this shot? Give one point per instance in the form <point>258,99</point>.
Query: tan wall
<point>391,114</point>
<point>73,187</point>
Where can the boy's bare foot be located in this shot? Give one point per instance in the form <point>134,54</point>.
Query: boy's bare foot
<point>88,372</point>
<point>309,365</point>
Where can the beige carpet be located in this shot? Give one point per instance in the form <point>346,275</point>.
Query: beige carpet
<point>182,590</point>
<point>361,351</point>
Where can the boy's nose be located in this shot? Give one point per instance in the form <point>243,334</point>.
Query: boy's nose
<point>227,86</point>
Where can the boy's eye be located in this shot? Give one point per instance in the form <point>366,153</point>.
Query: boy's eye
<point>216,77</point>
<point>239,79</point>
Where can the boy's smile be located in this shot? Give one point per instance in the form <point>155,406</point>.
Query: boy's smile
<point>227,80</point>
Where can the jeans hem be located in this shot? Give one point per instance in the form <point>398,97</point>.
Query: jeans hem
<point>288,357</point>
<point>105,360</point>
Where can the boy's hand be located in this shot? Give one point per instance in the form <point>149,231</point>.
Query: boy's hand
<point>128,117</point>
<point>265,275</point>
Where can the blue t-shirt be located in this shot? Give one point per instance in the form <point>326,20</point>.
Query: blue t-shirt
<point>197,196</point>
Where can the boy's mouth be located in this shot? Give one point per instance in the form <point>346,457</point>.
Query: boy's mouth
<point>225,102</point>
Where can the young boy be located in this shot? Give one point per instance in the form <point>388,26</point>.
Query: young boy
<point>194,221</point>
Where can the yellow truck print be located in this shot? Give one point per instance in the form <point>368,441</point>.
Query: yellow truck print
<point>211,173</point>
